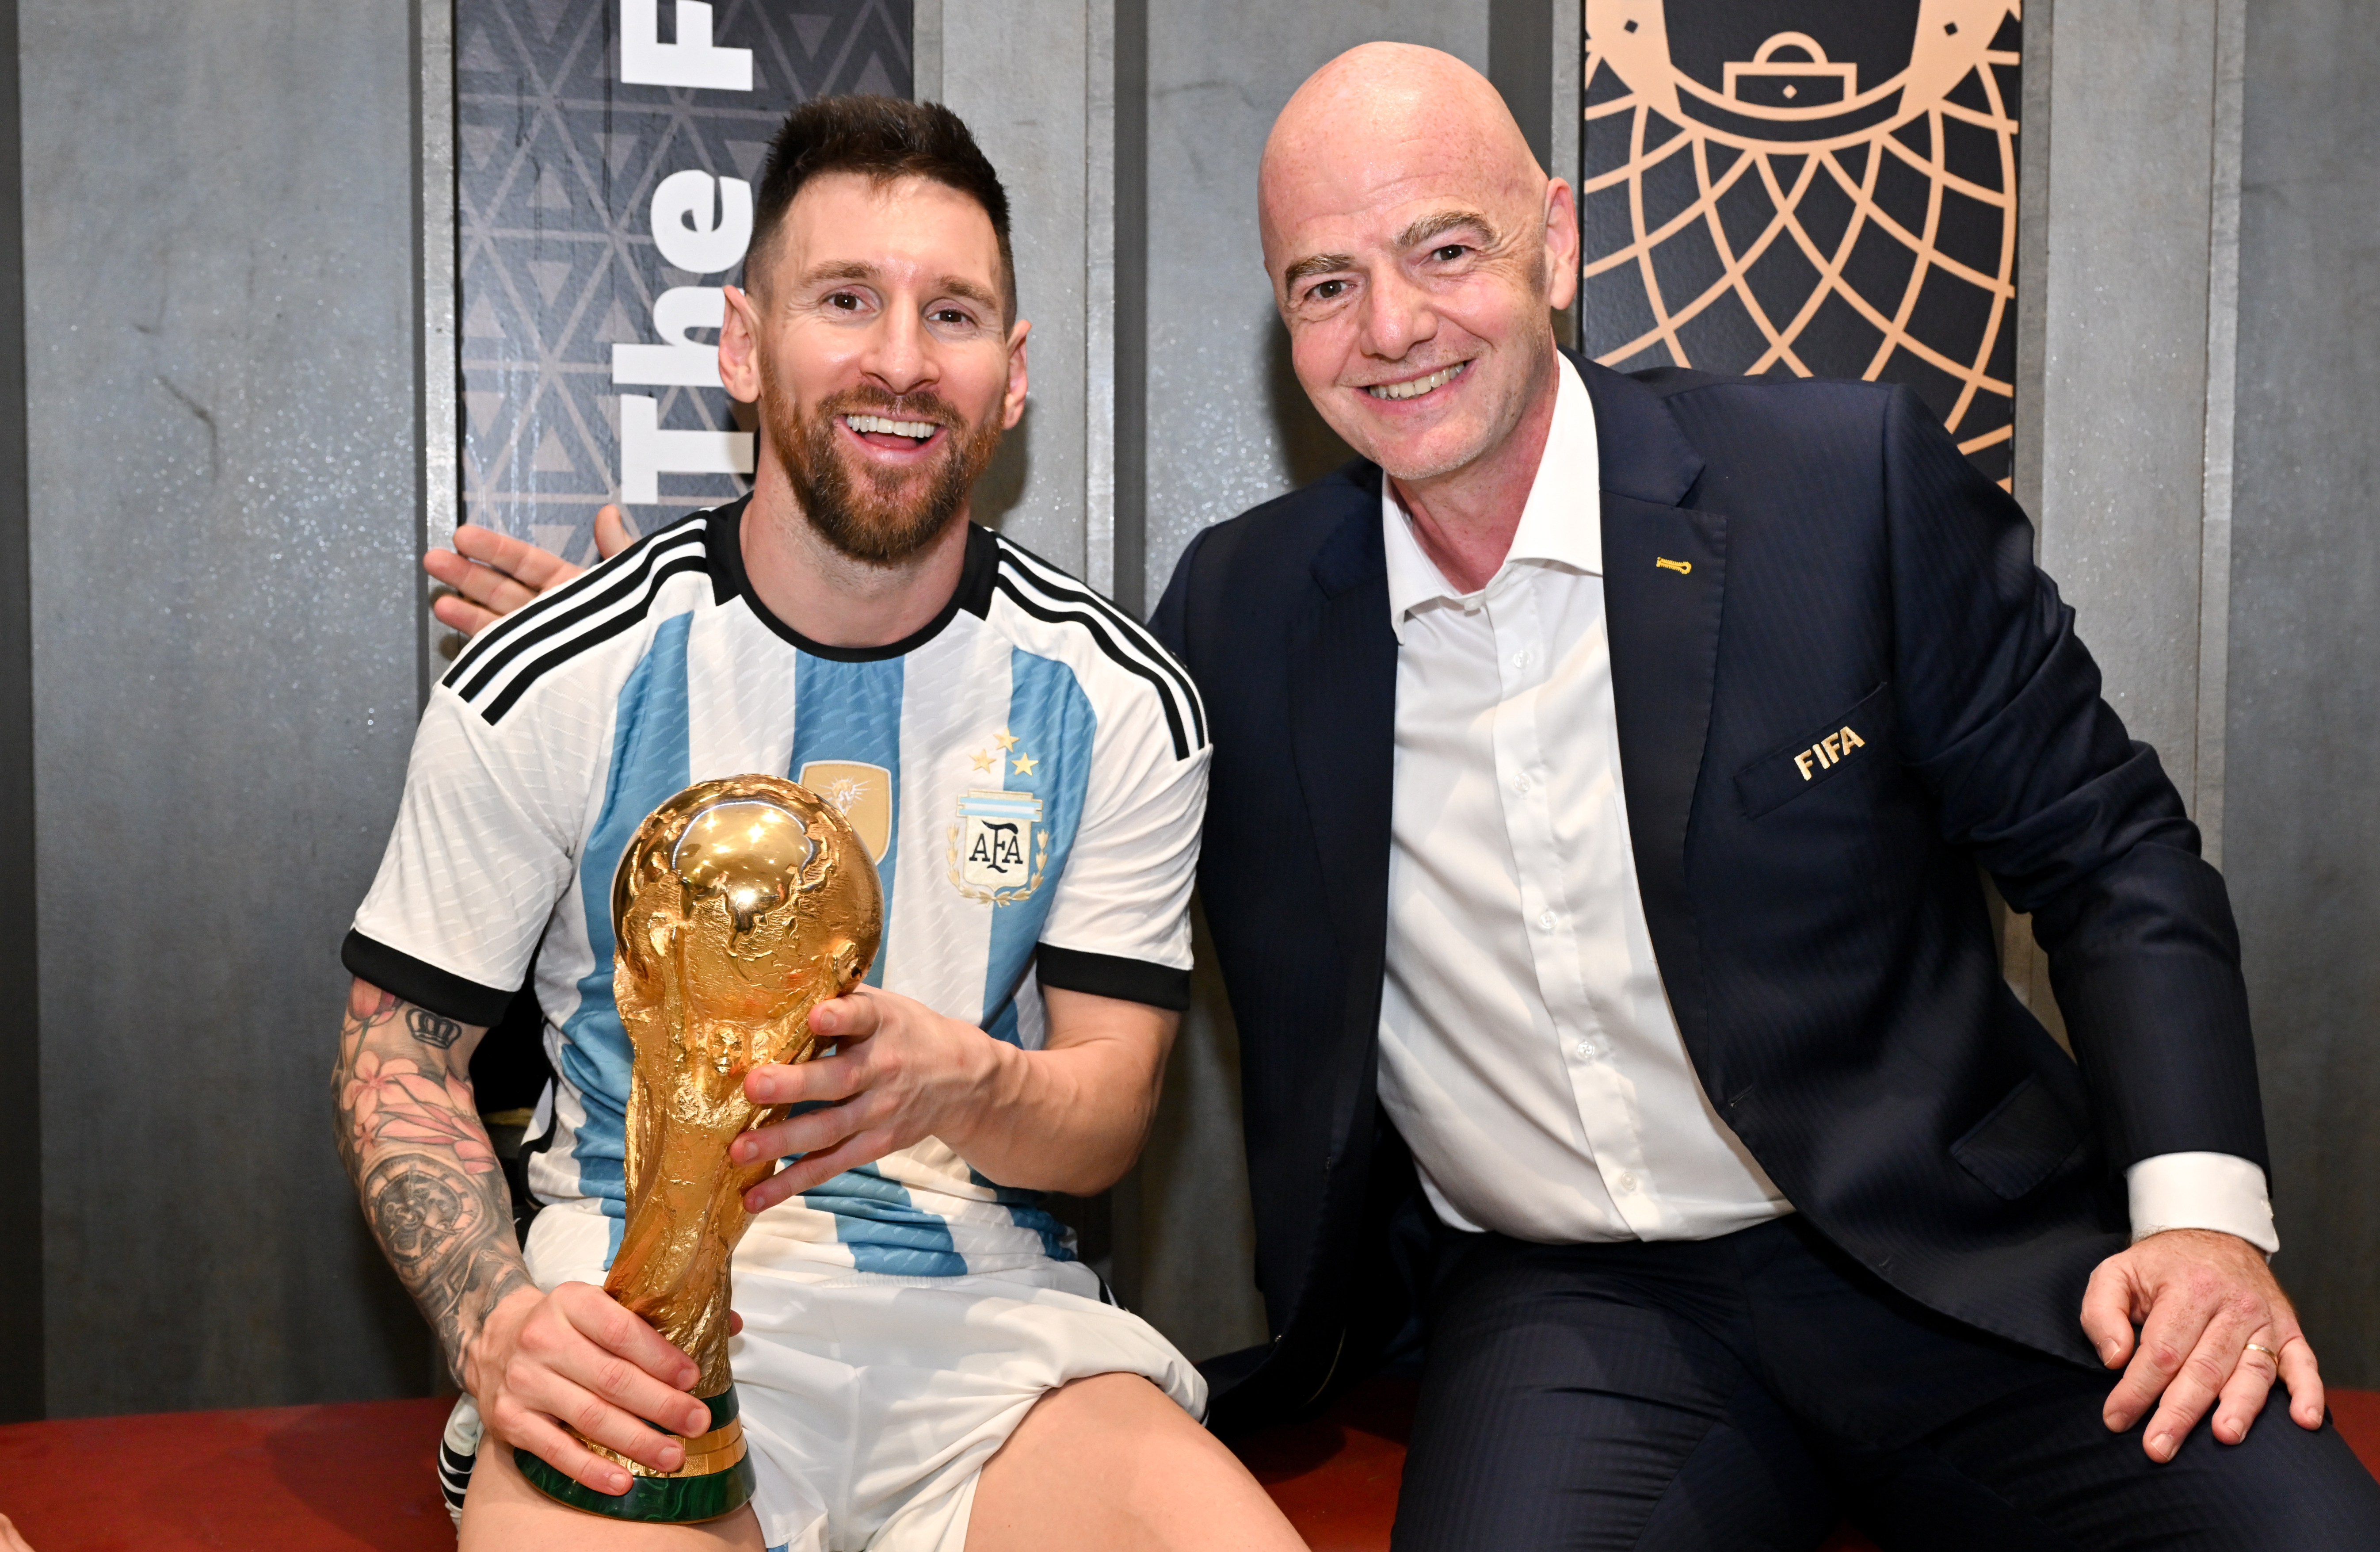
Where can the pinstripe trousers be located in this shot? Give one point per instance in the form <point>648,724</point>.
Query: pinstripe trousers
<point>1747,1392</point>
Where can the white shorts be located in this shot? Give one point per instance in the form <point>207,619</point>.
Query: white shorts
<point>871,1403</point>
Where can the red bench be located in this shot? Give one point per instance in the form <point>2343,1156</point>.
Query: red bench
<point>358,1476</point>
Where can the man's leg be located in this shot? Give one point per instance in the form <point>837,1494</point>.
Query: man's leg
<point>503,1513</point>
<point>1580,1397</point>
<point>1945,1439</point>
<point>1112,1463</point>
<point>2039,1469</point>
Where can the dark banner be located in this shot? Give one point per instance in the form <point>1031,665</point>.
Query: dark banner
<point>1813,188</point>
<point>605,156</point>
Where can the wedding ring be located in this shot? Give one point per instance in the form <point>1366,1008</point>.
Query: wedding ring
<point>2259,1347</point>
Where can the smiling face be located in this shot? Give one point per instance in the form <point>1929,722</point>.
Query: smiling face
<point>1415,249</point>
<point>874,342</point>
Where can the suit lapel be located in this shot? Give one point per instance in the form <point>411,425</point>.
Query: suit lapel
<point>1664,582</point>
<point>1342,733</point>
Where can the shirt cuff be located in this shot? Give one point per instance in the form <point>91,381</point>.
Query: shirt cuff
<point>1111,975</point>
<point>422,983</point>
<point>2201,1190</point>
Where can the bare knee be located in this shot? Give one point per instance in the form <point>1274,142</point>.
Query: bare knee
<point>1099,1405</point>
<point>1110,1461</point>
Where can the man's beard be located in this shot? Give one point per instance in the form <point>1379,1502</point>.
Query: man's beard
<point>882,517</point>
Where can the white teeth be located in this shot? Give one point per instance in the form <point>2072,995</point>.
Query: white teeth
<point>916,430</point>
<point>1419,385</point>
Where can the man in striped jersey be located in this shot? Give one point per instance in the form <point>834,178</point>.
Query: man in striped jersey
<point>922,1362</point>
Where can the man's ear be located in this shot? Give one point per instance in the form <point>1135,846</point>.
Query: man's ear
<point>1011,404</point>
<point>1561,245</point>
<point>739,347</point>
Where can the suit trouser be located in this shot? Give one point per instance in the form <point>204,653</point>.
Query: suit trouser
<point>1746,1392</point>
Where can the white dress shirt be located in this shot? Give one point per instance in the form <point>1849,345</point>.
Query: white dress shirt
<point>1529,1054</point>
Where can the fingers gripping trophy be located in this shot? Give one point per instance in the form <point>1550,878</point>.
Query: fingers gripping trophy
<point>739,906</point>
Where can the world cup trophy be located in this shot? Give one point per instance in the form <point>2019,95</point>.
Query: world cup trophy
<point>740,905</point>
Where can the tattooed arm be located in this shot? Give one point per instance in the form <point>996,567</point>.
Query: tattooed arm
<point>410,1137</point>
<point>412,1141</point>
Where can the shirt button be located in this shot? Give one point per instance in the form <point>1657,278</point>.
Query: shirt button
<point>1585,1048</point>
<point>1519,660</point>
<point>1627,1182</point>
<point>1546,919</point>
<point>1521,785</point>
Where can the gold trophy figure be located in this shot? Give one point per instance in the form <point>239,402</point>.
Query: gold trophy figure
<point>740,905</point>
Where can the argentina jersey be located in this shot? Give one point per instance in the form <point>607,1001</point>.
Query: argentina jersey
<point>1028,771</point>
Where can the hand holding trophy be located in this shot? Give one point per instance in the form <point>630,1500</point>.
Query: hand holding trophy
<point>739,906</point>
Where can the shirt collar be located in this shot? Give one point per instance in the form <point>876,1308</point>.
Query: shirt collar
<point>1561,525</point>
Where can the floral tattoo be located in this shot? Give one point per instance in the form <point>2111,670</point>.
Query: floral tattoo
<point>409,1133</point>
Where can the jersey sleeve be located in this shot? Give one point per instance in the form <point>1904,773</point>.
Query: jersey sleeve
<point>1120,923</point>
<point>480,853</point>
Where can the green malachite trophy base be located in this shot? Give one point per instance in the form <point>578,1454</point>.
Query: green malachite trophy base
<point>670,1500</point>
<point>667,1500</point>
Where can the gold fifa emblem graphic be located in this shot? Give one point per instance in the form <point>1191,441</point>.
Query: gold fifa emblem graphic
<point>1808,189</point>
<point>862,793</point>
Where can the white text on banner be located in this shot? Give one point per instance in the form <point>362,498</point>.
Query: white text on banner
<point>648,452</point>
<point>645,60</point>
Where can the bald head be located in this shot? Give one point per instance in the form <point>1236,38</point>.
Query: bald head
<point>1415,247</point>
<point>1382,112</point>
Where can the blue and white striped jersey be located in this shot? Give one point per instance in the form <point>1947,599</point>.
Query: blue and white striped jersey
<point>1029,769</point>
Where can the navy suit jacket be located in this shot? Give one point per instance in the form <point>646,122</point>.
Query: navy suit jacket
<point>1782,560</point>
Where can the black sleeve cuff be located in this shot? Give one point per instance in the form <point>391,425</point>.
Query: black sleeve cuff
<point>425,986</point>
<point>1110,975</point>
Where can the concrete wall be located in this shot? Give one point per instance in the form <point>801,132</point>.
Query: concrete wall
<point>2130,196</point>
<point>2301,843</point>
<point>1034,80</point>
<point>2128,264</point>
<point>20,1027</point>
<point>219,310</point>
<point>1230,425</point>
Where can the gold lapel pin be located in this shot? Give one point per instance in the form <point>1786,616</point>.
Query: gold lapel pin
<point>1681,567</point>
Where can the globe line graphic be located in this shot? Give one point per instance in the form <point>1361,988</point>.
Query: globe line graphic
<point>1789,218</point>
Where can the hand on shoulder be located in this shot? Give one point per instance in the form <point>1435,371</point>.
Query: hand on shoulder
<point>492,574</point>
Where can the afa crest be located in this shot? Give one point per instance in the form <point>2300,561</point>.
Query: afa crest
<point>999,847</point>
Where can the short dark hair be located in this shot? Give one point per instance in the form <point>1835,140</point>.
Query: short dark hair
<point>882,138</point>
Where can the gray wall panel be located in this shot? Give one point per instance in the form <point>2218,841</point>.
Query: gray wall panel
<point>2124,368</point>
<point>1228,426</point>
<point>2302,848</point>
<point>220,289</point>
<point>1018,71</point>
<point>20,1032</point>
